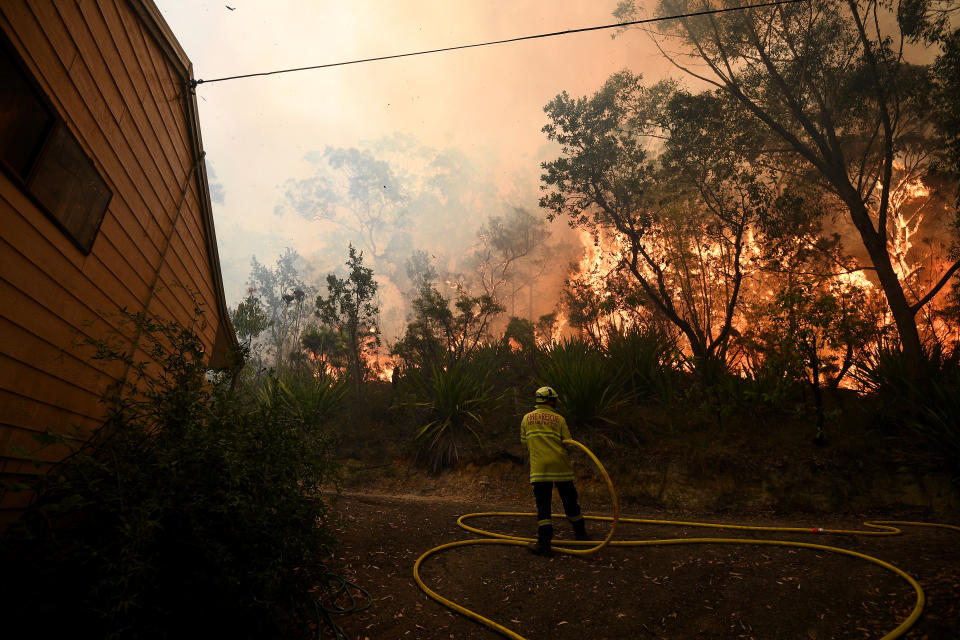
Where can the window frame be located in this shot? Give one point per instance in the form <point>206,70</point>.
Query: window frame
<point>86,233</point>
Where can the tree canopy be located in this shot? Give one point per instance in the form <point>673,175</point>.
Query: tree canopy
<point>838,102</point>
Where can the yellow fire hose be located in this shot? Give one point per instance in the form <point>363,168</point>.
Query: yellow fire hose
<point>880,528</point>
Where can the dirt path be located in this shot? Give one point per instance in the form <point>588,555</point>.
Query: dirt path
<point>682,592</point>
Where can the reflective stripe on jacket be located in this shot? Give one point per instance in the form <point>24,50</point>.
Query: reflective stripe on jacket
<point>542,430</point>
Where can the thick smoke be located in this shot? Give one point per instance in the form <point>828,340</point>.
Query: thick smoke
<point>394,198</point>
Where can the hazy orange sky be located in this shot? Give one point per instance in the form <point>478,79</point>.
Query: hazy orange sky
<point>487,102</point>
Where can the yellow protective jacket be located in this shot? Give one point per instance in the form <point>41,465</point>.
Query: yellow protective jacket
<point>542,430</point>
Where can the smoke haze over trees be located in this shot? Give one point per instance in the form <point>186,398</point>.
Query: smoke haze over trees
<point>809,169</point>
<point>394,198</point>
<point>840,103</point>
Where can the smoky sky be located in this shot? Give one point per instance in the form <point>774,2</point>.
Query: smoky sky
<point>458,133</point>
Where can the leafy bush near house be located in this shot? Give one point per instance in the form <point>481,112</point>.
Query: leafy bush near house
<point>193,512</point>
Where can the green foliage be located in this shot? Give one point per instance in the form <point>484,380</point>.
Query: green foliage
<point>454,398</point>
<point>814,330</point>
<point>351,308</point>
<point>429,334</point>
<point>590,389</point>
<point>602,149</point>
<point>883,371</point>
<point>312,399</point>
<point>938,421</point>
<point>191,512</point>
<point>928,407</point>
<point>808,334</point>
<point>594,310</point>
<point>328,348</point>
<point>831,88</point>
<point>649,358</point>
<point>757,394</point>
<point>929,22</point>
<point>523,333</point>
<point>249,319</point>
<point>471,321</point>
<point>766,388</point>
<point>276,296</point>
<point>678,219</point>
<point>438,332</point>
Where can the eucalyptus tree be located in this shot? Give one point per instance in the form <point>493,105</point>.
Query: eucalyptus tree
<point>681,218</point>
<point>514,251</point>
<point>364,195</point>
<point>281,292</point>
<point>830,83</point>
<point>249,320</point>
<point>350,307</point>
<point>444,330</point>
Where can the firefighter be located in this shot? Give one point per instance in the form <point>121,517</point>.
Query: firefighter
<point>543,431</point>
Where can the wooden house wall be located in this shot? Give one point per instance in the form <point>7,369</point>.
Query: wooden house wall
<point>115,86</point>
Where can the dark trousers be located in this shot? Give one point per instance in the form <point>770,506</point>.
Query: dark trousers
<point>543,493</point>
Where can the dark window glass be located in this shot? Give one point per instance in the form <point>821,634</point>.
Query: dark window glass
<point>68,185</point>
<point>24,120</point>
<point>40,150</point>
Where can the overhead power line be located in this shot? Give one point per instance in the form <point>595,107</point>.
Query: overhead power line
<point>773,3</point>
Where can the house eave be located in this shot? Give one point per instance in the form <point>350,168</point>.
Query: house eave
<point>226,341</point>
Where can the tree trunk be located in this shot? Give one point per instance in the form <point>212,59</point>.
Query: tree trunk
<point>820,438</point>
<point>904,315</point>
<point>355,361</point>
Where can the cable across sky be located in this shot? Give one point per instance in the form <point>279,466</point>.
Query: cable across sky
<point>772,3</point>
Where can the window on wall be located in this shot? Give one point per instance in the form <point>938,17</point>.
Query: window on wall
<point>39,151</point>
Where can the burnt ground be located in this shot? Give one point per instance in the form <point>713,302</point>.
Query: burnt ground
<point>684,592</point>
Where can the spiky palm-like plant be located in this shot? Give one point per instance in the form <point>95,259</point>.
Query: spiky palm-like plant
<point>648,358</point>
<point>928,406</point>
<point>589,386</point>
<point>455,397</point>
<point>939,419</point>
<point>313,399</point>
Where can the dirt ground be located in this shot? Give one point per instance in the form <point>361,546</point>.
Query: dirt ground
<point>679,591</point>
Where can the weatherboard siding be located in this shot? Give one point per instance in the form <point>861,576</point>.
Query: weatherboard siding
<point>121,95</point>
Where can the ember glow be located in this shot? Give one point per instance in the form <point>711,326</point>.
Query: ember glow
<point>381,365</point>
<point>602,257</point>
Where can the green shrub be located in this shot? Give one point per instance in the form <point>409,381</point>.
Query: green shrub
<point>588,385</point>
<point>759,390</point>
<point>649,360</point>
<point>454,398</point>
<point>192,512</point>
<point>925,404</point>
<point>938,419</point>
<point>313,399</point>
<point>883,368</point>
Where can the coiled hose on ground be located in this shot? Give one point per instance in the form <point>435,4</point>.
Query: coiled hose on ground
<point>337,596</point>
<point>878,528</point>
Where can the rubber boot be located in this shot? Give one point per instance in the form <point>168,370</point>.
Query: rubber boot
<point>544,537</point>
<point>580,530</point>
